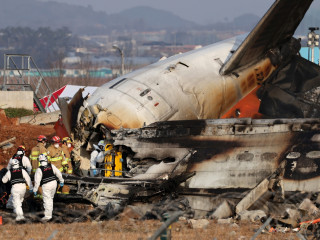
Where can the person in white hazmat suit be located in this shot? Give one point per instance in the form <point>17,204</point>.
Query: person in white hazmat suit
<point>46,176</point>
<point>18,178</point>
<point>24,162</point>
<point>97,156</point>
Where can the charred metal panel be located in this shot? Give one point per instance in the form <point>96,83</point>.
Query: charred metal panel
<point>108,192</point>
<point>232,153</point>
<point>119,191</point>
<point>293,91</point>
<point>70,111</point>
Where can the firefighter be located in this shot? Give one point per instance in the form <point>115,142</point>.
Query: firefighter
<point>113,161</point>
<point>97,156</point>
<point>23,160</point>
<point>18,178</point>
<point>55,154</point>
<point>46,176</point>
<point>40,148</point>
<point>66,148</point>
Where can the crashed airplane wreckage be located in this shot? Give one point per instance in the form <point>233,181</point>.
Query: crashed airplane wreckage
<point>208,157</point>
<point>154,117</point>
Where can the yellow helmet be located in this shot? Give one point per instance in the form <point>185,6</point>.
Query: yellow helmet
<point>108,147</point>
<point>66,139</point>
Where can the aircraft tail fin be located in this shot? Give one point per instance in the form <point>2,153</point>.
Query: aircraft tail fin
<point>276,27</point>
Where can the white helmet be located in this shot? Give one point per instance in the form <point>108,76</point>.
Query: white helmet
<point>101,144</point>
<point>43,160</point>
<point>15,163</point>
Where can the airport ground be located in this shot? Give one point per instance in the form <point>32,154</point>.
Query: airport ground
<point>131,229</point>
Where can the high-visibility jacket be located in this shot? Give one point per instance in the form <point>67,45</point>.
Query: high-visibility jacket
<point>56,157</point>
<point>67,161</point>
<point>35,152</point>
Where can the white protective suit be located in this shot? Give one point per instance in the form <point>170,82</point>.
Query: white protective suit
<point>97,156</point>
<point>48,190</point>
<point>18,191</point>
<point>25,164</point>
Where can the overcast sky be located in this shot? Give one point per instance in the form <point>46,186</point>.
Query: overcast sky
<point>199,11</point>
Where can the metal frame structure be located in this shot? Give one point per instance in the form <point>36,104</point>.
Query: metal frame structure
<point>17,76</point>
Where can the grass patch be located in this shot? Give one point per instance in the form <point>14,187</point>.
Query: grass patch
<point>17,112</point>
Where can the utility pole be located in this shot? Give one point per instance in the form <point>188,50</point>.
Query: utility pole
<point>313,41</point>
<point>122,58</point>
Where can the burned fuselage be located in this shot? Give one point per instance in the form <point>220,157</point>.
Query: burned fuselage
<point>209,156</point>
<point>233,153</point>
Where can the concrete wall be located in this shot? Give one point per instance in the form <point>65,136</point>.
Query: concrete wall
<point>16,99</point>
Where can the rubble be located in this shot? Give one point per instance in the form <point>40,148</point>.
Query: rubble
<point>223,211</point>
<point>7,143</point>
<point>308,208</point>
<point>253,196</point>
<point>198,224</point>
<point>253,215</point>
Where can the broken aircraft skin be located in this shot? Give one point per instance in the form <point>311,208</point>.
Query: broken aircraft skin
<point>206,157</point>
<point>154,116</point>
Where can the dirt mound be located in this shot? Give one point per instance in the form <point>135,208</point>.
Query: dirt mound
<point>25,134</point>
<point>6,121</point>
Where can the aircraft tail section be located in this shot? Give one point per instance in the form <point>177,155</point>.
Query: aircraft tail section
<point>275,28</point>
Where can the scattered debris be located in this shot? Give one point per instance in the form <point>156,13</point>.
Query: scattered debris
<point>308,208</point>
<point>254,215</point>
<point>6,143</point>
<point>225,221</point>
<point>200,223</point>
<point>223,211</point>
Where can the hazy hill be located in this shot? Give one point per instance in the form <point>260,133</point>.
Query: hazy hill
<point>84,20</point>
<point>245,22</point>
<point>158,19</point>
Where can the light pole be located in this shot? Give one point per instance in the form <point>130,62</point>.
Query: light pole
<point>122,58</point>
<point>313,40</point>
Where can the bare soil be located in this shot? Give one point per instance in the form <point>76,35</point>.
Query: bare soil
<point>25,134</point>
<point>134,229</point>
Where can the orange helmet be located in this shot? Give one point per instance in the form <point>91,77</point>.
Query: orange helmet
<point>22,148</point>
<point>55,139</point>
<point>42,138</point>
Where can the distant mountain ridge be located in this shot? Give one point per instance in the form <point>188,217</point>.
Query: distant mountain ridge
<point>84,20</point>
<point>158,19</point>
